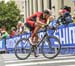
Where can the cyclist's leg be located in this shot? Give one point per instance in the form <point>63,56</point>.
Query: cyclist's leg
<point>30,25</point>
<point>34,33</point>
<point>35,38</point>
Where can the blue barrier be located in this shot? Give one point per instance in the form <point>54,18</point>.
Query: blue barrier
<point>66,34</point>
<point>2,44</point>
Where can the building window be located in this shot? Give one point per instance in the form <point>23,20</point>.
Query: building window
<point>25,8</point>
<point>28,8</point>
<point>42,5</point>
<point>36,5</point>
<point>32,6</point>
<point>49,4</point>
<point>22,7</point>
<point>62,3</point>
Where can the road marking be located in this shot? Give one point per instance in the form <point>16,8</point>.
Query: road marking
<point>68,65</point>
<point>41,62</point>
<point>36,59</point>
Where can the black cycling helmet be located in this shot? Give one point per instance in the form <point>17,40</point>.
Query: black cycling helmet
<point>47,11</point>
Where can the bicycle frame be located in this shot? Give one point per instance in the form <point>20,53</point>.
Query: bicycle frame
<point>44,38</point>
<point>45,35</point>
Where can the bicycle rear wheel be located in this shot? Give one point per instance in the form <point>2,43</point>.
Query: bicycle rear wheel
<point>51,47</point>
<point>22,49</point>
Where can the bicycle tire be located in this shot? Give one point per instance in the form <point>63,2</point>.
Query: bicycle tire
<point>29,50</point>
<point>49,44</point>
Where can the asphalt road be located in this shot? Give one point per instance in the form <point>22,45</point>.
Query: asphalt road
<point>61,60</point>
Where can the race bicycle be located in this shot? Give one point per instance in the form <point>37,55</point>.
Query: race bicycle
<point>49,45</point>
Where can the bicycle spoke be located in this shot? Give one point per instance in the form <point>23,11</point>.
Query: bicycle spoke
<point>51,47</point>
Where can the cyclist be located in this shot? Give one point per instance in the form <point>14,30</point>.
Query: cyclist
<point>37,21</point>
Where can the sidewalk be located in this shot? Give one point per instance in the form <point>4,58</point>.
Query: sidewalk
<point>1,61</point>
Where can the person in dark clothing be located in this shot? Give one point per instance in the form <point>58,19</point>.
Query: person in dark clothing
<point>65,16</point>
<point>60,19</point>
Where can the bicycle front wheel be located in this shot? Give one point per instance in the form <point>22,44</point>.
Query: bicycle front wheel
<point>22,49</point>
<point>51,47</point>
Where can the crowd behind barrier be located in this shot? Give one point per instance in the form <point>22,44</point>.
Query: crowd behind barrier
<point>66,34</point>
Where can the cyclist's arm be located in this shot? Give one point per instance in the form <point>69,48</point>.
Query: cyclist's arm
<point>38,21</point>
<point>49,20</point>
<point>38,18</point>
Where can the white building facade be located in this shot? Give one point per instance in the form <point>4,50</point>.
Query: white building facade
<point>28,7</point>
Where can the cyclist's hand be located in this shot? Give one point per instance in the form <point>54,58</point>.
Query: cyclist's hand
<point>41,23</point>
<point>36,23</point>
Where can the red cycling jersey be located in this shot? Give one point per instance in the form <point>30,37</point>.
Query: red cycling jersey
<point>32,19</point>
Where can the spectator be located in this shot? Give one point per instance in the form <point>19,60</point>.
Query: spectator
<point>60,19</point>
<point>52,24</point>
<point>4,32</point>
<point>67,16</point>
<point>67,9</point>
<point>0,31</point>
<point>20,27</point>
<point>13,32</point>
<point>74,18</point>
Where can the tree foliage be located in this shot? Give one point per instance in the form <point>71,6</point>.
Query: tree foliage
<point>9,14</point>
